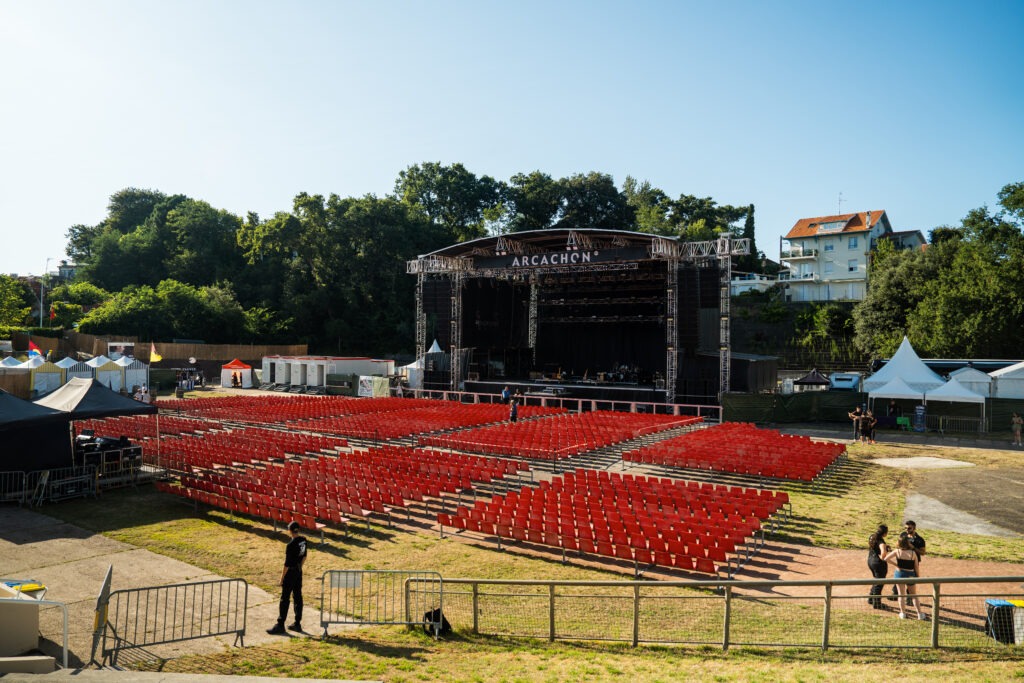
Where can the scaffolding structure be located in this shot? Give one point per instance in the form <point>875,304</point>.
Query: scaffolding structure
<point>483,259</point>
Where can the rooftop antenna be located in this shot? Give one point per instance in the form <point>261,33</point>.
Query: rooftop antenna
<point>840,203</point>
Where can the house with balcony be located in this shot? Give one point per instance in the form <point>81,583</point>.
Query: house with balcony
<point>828,258</point>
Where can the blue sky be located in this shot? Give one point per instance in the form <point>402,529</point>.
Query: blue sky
<point>911,107</point>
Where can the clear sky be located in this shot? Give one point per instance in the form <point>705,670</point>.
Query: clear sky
<point>912,107</point>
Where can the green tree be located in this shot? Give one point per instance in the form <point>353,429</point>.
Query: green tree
<point>532,201</point>
<point>752,261</point>
<point>961,297</point>
<point>205,248</point>
<point>593,201</point>
<point>650,207</point>
<point>13,310</point>
<point>450,196</point>
<point>81,293</point>
<point>171,309</point>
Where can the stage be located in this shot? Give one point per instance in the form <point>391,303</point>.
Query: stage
<point>581,389</point>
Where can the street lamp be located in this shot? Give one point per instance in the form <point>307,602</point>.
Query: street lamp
<point>42,289</point>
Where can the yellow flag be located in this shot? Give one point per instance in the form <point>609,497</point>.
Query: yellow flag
<point>154,357</point>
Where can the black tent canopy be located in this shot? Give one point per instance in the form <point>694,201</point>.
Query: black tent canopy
<point>32,437</point>
<point>813,379</point>
<point>84,398</point>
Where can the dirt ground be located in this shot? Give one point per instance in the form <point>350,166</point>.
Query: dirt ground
<point>993,495</point>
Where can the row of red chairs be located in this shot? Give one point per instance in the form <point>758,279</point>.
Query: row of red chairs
<point>559,436</point>
<point>646,520</point>
<point>225,448</point>
<point>744,449</point>
<point>417,419</point>
<point>276,409</point>
<point>139,427</point>
<point>274,510</point>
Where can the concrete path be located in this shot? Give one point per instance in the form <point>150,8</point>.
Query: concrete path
<point>72,563</point>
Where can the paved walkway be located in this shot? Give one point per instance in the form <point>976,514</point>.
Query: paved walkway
<point>72,563</point>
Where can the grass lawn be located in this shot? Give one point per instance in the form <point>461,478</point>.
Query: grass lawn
<point>844,510</point>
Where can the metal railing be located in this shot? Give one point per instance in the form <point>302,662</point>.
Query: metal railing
<point>381,597</point>
<point>819,614</point>
<point>14,487</point>
<point>157,615</point>
<point>955,424</point>
<point>709,412</point>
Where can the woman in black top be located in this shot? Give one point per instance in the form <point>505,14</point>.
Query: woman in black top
<point>877,549</point>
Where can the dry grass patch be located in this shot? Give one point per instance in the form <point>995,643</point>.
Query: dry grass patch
<point>399,656</point>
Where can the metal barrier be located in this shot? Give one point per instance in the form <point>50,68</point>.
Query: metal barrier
<point>381,597</point>
<point>14,488</point>
<point>732,613</point>
<point>157,615</point>
<point>47,603</point>
<point>955,424</point>
<point>711,413</point>
<point>48,486</point>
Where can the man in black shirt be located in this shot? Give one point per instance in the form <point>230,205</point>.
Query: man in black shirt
<point>291,581</point>
<point>916,540</point>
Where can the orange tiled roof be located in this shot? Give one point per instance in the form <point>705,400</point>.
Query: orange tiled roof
<point>855,222</point>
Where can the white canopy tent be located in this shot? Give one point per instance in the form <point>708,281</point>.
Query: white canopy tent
<point>10,362</point>
<point>974,379</point>
<point>413,373</point>
<point>45,377</point>
<point>896,388</point>
<point>136,373</point>
<point>954,392</point>
<point>32,363</point>
<point>236,374</point>
<point>109,374</point>
<point>97,361</point>
<point>1008,382</point>
<point>907,366</point>
<point>74,368</point>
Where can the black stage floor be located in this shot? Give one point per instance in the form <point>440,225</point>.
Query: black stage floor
<point>595,391</point>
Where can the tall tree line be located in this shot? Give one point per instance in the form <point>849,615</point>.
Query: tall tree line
<point>961,297</point>
<point>331,271</point>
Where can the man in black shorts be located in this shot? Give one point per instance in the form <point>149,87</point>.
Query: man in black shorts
<point>291,581</point>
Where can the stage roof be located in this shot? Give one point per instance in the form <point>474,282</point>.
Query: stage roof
<point>562,248</point>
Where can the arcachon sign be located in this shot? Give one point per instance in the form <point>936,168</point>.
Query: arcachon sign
<point>562,258</point>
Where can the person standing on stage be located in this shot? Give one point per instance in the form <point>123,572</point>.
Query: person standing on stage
<point>291,581</point>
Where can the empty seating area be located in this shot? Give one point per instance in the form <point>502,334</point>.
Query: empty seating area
<point>417,417</point>
<point>236,446</point>
<point>559,436</point>
<point>644,520</point>
<point>744,449</point>
<point>321,491</point>
<point>139,427</point>
<point>276,409</point>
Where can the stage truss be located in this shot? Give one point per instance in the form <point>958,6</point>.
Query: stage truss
<point>458,268</point>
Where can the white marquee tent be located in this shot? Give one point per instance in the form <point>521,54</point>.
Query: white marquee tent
<point>1008,382</point>
<point>906,365</point>
<point>44,375</point>
<point>136,373</point>
<point>896,388</point>
<point>954,392</point>
<point>74,368</point>
<point>109,374</point>
<point>974,379</point>
<point>10,362</point>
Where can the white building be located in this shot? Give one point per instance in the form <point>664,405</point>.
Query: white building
<point>828,258</point>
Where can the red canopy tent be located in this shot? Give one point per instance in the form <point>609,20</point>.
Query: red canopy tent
<point>236,374</point>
